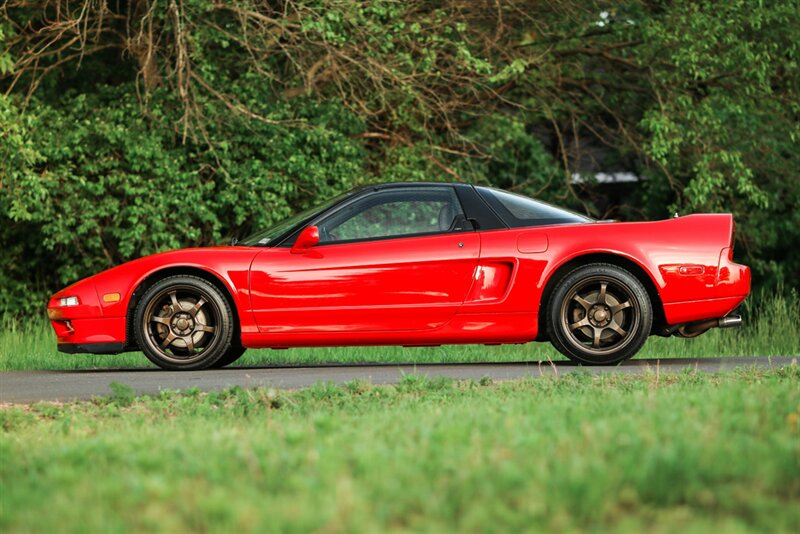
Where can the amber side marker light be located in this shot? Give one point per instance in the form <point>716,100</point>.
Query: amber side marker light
<point>111,297</point>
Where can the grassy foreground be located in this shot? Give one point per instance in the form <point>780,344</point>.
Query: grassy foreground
<point>662,453</point>
<point>769,330</point>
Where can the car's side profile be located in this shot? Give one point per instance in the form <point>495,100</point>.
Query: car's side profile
<point>416,264</point>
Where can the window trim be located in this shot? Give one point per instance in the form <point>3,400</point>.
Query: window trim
<point>478,210</point>
<point>386,238</point>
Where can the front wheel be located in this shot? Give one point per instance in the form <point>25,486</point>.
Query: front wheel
<point>599,314</point>
<point>184,323</point>
<point>233,354</point>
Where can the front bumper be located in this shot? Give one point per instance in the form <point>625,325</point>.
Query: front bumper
<point>84,327</point>
<point>92,348</point>
<point>101,331</point>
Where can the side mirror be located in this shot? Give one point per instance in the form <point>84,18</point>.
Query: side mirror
<point>307,239</point>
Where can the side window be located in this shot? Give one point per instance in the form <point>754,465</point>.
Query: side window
<point>394,213</point>
<point>519,211</point>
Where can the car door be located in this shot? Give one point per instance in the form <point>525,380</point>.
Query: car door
<point>394,259</point>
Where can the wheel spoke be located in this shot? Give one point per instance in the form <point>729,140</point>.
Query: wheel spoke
<point>176,306</point>
<point>167,340</point>
<point>601,297</point>
<point>159,319</point>
<point>194,309</point>
<point>617,328</point>
<point>582,301</point>
<point>620,307</point>
<point>189,343</point>
<point>582,322</point>
<point>596,339</point>
<point>204,328</point>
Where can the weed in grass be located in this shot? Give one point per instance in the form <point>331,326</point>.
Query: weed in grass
<point>357,386</point>
<point>121,394</point>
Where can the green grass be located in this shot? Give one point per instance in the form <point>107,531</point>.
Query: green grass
<point>688,452</point>
<point>770,329</point>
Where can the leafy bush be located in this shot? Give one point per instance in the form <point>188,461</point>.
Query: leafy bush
<point>102,183</point>
<point>127,129</point>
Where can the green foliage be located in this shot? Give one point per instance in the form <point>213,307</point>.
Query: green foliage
<point>121,394</point>
<point>6,61</point>
<point>514,159</point>
<point>613,453</point>
<point>23,251</point>
<point>106,183</point>
<point>142,129</point>
<point>726,117</point>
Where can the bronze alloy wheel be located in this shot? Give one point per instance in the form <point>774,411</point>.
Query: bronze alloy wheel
<point>600,314</point>
<point>184,323</point>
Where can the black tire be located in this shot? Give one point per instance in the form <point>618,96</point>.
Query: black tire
<point>178,332</point>
<point>599,314</point>
<point>233,354</point>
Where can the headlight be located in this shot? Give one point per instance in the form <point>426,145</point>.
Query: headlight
<point>68,301</point>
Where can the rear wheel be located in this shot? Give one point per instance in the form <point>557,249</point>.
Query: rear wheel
<point>599,314</point>
<point>184,323</point>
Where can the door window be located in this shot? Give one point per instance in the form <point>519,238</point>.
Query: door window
<point>396,213</point>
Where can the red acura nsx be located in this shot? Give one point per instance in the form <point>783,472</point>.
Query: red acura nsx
<point>415,264</point>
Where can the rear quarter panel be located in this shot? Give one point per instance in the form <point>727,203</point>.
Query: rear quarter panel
<point>681,257</point>
<point>661,248</point>
<point>686,258</point>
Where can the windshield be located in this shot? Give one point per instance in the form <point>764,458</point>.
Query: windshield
<point>286,226</point>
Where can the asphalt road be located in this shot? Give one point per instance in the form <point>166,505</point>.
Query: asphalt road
<point>34,386</point>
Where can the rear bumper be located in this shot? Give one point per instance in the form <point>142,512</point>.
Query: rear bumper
<point>731,287</point>
<point>733,279</point>
<point>697,310</point>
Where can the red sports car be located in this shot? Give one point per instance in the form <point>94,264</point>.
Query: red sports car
<point>415,264</point>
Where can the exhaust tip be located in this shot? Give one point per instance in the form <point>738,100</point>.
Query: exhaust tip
<point>730,321</point>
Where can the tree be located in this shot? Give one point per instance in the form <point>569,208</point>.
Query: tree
<point>137,126</point>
